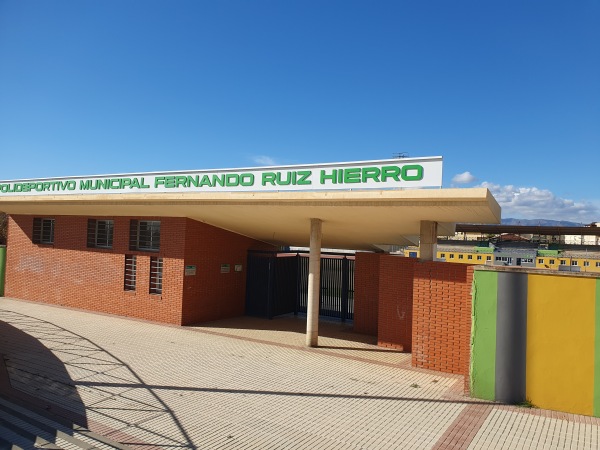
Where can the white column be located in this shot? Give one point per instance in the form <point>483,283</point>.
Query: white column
<point>428,241</point>
<point>314,284</point>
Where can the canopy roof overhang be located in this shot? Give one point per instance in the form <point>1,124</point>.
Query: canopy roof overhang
<point>359,220</point>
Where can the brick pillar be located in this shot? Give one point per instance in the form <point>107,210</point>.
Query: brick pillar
<point>442,317</point>
<point>366,292</point>
<point>396,302</point>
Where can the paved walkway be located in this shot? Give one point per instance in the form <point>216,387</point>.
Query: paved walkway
<point>250,384</point>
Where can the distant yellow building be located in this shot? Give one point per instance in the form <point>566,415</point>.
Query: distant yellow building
<point>571,258</point>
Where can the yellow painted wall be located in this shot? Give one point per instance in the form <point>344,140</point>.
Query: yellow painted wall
<point>544,262</point>
<point>467,258</point>
<point>560,342</point>
<point>591,267</point>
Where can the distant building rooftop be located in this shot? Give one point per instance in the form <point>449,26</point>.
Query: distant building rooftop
<point>526,229</point>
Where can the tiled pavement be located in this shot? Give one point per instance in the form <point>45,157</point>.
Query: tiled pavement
<point>251,383</point>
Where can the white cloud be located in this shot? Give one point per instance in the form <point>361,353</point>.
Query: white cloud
<point>464,178</point>
<point>264,160</point>
<point>534,203</point>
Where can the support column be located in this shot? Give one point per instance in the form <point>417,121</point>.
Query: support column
<point>428,241</point>
<point>314,284</point>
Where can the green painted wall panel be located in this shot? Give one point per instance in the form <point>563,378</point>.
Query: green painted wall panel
<point>597,353</point>
<point>483,335</point>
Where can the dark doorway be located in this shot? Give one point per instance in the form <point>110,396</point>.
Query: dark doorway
<point>277,283</point>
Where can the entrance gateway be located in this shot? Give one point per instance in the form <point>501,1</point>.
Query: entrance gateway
<point>277,284</point>
<point>171,246</point>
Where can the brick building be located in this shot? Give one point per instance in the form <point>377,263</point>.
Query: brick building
<point>172,247</point>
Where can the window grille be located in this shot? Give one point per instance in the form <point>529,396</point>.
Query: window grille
<point>43,231</point>
<point>156,275</point>
<point>144,235</point>
<point>130,272</point>
<point>100,233</point>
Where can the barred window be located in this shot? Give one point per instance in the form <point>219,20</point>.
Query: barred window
<point>130,272</point>
<point>100,233</point>
<point>43,231</point>
<point>144,235</point>
<point>156,275</point>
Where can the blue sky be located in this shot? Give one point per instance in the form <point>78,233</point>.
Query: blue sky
<point>507,92</point>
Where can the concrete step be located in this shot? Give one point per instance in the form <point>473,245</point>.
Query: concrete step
<point>29,428</point>
<point>8,440</point>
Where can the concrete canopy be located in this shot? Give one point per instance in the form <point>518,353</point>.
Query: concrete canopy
<point>359,219</point>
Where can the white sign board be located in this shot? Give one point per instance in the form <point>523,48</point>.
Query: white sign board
<point>382,174</point>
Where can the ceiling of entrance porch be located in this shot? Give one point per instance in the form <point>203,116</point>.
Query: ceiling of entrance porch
<point>357,220</point>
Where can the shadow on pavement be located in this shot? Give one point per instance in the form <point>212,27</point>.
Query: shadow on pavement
<point>47,363</point>
<point>32,374</point>
<point>328,328</point>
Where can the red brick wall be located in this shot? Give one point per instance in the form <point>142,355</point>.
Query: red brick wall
<point>442,317</point>
<point>396,302</point>
<point>210,294</point>
<point>366,292</point>
<point>420,307</point>
<point>70,274</point>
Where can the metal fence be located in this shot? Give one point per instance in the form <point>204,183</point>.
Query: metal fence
<point>277,283</point>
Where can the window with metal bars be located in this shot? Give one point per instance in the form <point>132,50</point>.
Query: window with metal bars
<point>130,272</point>
<point>100,233</point>
<point>144,235</point>
<point>43,231</point>
<point>156,275</point>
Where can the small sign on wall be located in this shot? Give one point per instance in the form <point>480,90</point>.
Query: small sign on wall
<point>190,270</point>
<point>225,268</point>
<point>238,268</point>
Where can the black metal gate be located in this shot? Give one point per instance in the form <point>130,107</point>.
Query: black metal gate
<point>277,283</point>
